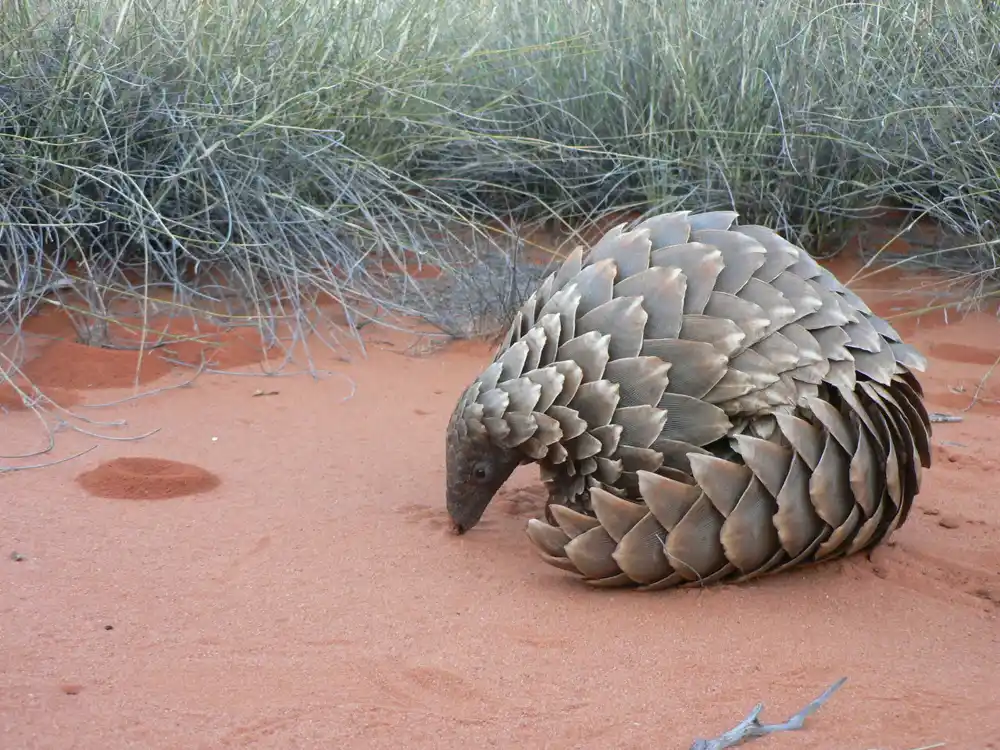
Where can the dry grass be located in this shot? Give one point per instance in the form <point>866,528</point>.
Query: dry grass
<point>256,156</point>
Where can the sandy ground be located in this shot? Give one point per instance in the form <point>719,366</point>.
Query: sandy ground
<point>308,595</point>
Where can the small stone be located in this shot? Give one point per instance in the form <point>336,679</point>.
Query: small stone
<point>16,557</point>
<point>71,688</point>
<point>949,522</point>
<point>931,512</point>
<point>109,627</point>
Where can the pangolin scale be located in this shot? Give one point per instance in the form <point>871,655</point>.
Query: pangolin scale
<point>706,404</point>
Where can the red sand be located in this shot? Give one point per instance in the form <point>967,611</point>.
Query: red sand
<point>315,599</point>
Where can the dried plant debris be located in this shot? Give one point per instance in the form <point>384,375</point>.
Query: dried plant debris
<point>750,728</point>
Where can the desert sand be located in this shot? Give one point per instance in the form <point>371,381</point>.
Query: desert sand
<point>270,566</point>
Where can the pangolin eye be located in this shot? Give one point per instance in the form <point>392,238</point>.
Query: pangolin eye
<point>480,472</point>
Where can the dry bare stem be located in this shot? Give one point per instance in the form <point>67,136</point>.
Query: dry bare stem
<point>981,384</point>
<point>751,728</point>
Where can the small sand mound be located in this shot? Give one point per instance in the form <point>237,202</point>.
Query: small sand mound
<point>65,364</point>
<point>10,399</point>
<point>147,479</point>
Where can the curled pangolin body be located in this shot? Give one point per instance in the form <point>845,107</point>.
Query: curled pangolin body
<point>706,404</point>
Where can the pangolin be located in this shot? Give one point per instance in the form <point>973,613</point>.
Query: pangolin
<point>706,403</point>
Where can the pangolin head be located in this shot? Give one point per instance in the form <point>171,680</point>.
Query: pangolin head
<point>476,465</point>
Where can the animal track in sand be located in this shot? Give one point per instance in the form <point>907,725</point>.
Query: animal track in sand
<point>428,688</point>
<point>939,575</point>
<point>948,456</point>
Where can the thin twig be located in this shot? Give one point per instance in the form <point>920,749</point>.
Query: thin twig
<point>122,439</point>
<point>750,728</point>
<point>153,391</point>
<point>982,383</point>
<point>938,416</point>
<point>6,469</point>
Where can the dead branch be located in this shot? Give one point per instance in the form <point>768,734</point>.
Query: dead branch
<point>750,728</point>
